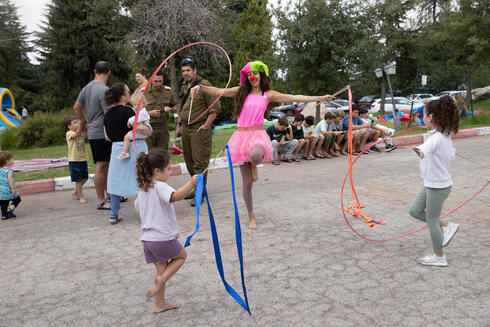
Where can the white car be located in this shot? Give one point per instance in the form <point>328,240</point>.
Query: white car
<point>419,97</point>
<point>452,94</point>
<point>400,102</point>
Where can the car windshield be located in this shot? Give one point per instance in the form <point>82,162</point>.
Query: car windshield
<point>342,102</point>
<point>442,94</point>
<point>331,105</point>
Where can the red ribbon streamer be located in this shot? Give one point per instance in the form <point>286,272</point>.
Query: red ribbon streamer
<point>357,205</point>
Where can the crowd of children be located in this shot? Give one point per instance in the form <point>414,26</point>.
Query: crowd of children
<point>328,139</point>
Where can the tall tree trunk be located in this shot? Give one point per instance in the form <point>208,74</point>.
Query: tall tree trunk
<point>317,113</point>
<point>173,76</point>
<point>383,95</point>
<point>469,100</point>
<point>434,6</point>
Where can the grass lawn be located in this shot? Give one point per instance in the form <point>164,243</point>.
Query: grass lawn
<point>220,138</point>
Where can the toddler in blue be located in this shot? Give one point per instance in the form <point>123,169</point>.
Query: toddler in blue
<point>7,186</point>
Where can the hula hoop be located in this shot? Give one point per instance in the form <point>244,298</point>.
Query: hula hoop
<point>163,63</point>
<point>348,173</point>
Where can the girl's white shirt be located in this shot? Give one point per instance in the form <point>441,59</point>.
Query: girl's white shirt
<point>438,153</point>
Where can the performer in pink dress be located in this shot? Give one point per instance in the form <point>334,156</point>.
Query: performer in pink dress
<point>250,145</point>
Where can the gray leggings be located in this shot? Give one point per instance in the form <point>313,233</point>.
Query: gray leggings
<point>256,155</point>
<point>427,207</point>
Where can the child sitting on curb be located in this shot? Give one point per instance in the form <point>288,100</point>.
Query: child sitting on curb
<point>310,137</point>
<point>326,129</point>
<point>286,148</point>
<point>298,134</point>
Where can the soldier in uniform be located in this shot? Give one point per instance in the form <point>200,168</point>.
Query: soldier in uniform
<point>196,137</point>
<point>160,101</point>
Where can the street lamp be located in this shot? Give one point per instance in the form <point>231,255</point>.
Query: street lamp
<point>390,70</point>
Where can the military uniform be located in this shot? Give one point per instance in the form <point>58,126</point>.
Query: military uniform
<point>197,145</point>
<point>157,100</point>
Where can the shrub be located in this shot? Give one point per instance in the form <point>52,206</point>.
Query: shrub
<point>41,130</point>
<point>9,139</point>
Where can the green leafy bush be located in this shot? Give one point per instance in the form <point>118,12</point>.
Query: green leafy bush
<point>9,139</point>
<point>39,130</point>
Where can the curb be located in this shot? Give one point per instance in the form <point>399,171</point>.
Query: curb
<point>65,183</point>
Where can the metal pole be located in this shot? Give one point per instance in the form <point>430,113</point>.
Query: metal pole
<point>396,119</point>
<point>413,95</point>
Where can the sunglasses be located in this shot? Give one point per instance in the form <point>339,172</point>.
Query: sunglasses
<point>187,60</point>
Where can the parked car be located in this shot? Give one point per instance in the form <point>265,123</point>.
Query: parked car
<point>400,102</point>
<point>419,96</point>
<point>287,108</point>
<point>276,115</point>
<point>299,107</point>
<point>452,94</point>
<point>343,103</point>
<point>367,100</point>
<point>333,106</point>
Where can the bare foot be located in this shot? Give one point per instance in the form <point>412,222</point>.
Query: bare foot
<point>74,194</point>
<point>82,200</point>
<point>252,223</point>
<point>254,172</point>
<point>165,307</point>
<point>155,288</point>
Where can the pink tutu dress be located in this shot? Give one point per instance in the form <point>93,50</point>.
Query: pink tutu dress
<point>242,141</point>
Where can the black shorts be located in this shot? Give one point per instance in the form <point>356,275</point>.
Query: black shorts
<point>101,150</point>
<point>78,170</point>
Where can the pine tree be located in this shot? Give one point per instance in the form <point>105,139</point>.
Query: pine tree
<point>76,35</point>
<point>13,46</point>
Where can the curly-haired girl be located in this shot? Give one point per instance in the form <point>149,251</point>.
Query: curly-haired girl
<point>442,118</point>
<point>250,145</point>
<point>158,222</point>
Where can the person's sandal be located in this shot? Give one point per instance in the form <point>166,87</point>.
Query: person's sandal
<point>100,206</point>
<point>114,221</point>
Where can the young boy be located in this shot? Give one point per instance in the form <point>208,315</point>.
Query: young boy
<point>77,155</point>
<point>310,137</point>
<point>326,128</point>
<point>342,137</point>
<point>143,118</point>
<point>375,133</point>
<point>358,136</point>
<point>298,134</point>
<point>286,148</point>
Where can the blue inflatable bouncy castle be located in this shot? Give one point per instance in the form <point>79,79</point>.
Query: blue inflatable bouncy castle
<point>9,117</point>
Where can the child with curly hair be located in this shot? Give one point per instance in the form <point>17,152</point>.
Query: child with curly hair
<point>158,221</point>
<point>442,118</point>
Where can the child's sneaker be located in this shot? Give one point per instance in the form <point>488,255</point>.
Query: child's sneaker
<point>433,260</point>
<point>448,232</point>
<point>11,213</point>
<point>390,147</point>
<point>123,155</point>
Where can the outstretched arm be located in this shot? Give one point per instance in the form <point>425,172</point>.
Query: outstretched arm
<point>214,91</point>
<point>280,97</point>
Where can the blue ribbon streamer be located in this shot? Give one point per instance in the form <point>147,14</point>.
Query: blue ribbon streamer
<point>201,186</point>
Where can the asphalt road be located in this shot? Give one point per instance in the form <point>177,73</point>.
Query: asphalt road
<point>63,264</point>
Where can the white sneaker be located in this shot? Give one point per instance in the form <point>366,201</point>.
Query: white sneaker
<point>448,233</point>
<point>433,260</point>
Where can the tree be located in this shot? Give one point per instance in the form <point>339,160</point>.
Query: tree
<point>75,35</point>
<point>323,44</point>
<point>13,46</point>
<point>162,27</point>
